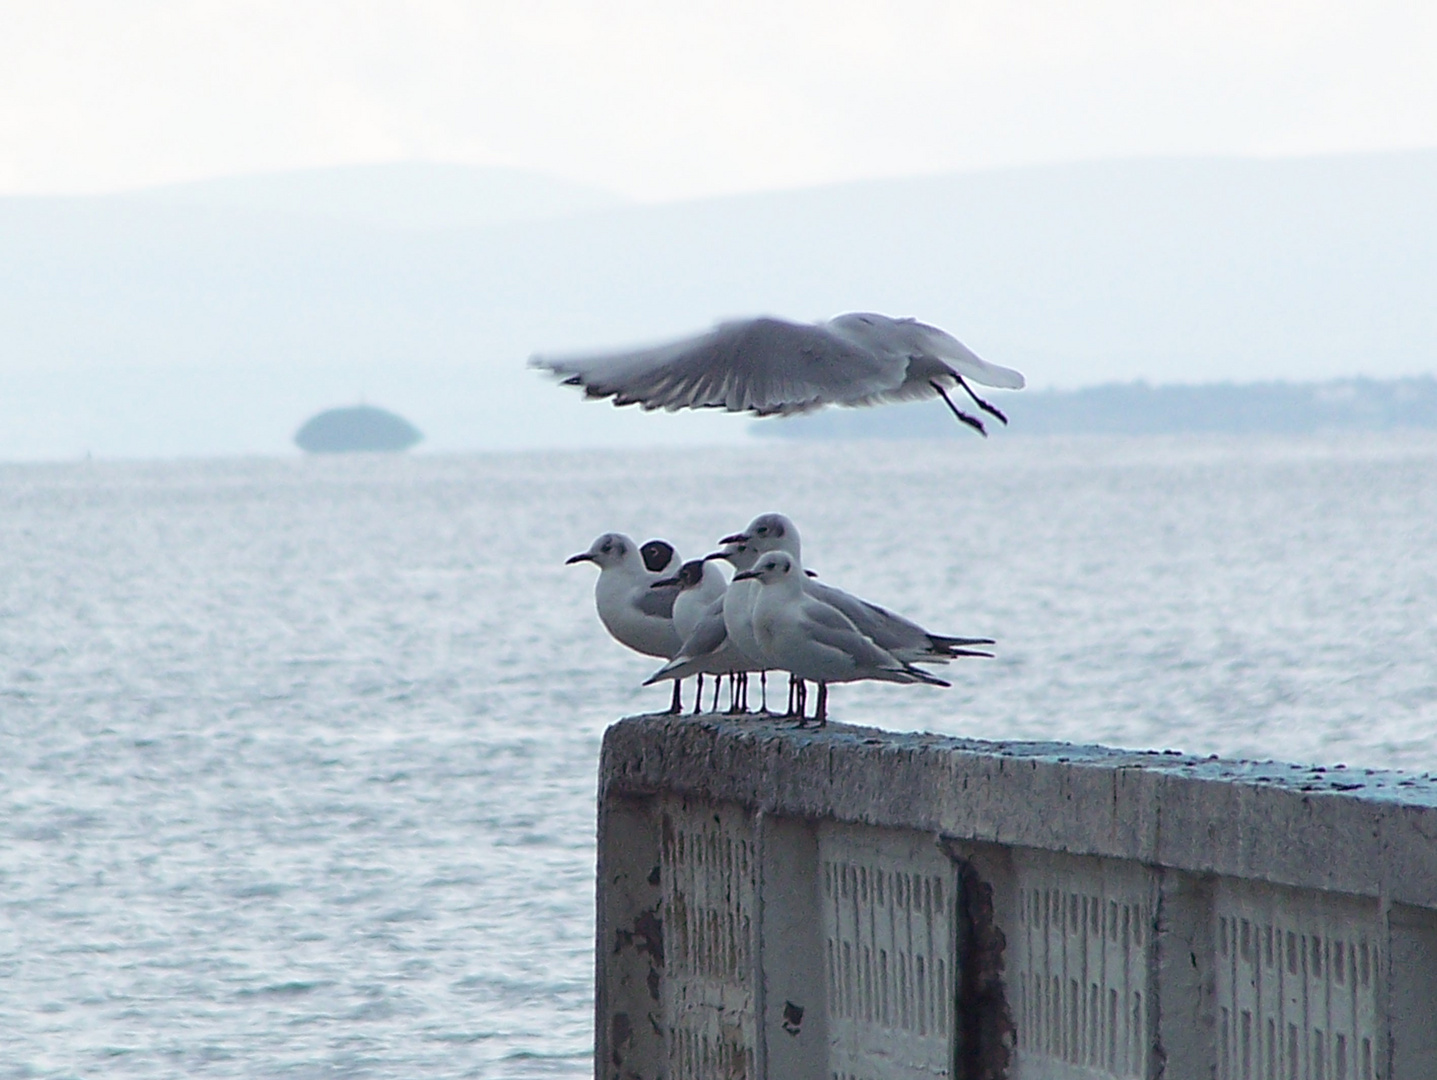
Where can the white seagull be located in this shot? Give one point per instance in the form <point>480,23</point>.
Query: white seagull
<point>771,367</point>
<point>631,609</point>
<point>707,649</point>
<point>801,634</point>
<point>904,638</point>
<point>699,583</point>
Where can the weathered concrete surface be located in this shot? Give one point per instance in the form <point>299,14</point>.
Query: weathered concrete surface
<point>855,903</point>
<point>1360,831</point>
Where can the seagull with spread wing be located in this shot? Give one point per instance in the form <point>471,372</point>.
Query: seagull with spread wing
<point>771,367</point>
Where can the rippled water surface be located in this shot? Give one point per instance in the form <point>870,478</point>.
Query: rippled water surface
<point>297,756</point>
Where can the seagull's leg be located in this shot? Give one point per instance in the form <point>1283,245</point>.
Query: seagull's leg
<point>972,421</point>
<point>763,692</point>
<point>677,704</point>
<point>718,685</point>
<point>743,691</point>
<point>821,712</point>
<point>987,407</point>
<point>699,697</point>
<point>800,701</point>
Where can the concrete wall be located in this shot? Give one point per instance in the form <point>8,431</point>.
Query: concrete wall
<point>853,904</point>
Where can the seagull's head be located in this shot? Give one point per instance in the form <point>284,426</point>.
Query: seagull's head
<point>658,556</point>
<point>774,567</point>
<point>772,532</point>
<point>611,549</point>
<point>690,576</point>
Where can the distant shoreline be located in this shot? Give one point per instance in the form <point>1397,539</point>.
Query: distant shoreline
<point>1139,408</point>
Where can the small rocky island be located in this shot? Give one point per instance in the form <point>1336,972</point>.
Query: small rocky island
<point>356,429</point>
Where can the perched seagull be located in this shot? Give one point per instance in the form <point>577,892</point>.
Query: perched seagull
<point>707,648</point>
<point>814,640</point>
<point>699,584</point>
<point>902,637</point>
<point>634,613</point>
<point>738,603</point>
<point>771,367</point>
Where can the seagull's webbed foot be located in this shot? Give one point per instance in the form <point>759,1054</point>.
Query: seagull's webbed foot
<point>972,421</point>
<point>987,406</point>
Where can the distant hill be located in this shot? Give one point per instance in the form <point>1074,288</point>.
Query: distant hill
<point>214,318</point>
<point>1140,409</point>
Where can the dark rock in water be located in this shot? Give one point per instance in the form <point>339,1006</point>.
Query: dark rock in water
<point>357,428</point>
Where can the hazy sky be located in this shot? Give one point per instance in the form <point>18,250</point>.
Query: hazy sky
<point>673,100</point>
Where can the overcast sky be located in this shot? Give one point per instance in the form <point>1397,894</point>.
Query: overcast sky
<point>675,100</point>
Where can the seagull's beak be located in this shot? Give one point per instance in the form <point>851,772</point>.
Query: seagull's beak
<point>665,581</point>
<point>583,556</point>
<point>736,538</point>
<point>745,575</point>
<point>716,555</point>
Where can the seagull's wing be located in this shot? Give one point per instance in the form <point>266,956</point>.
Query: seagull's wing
<point>708,634</point>
<point>658,602</point>
<point>904,638</point>
<point>765,366</point>
<point>829,626</point>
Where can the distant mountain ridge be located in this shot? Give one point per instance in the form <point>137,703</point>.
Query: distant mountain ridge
<point>1140,409</point>
<point>410,195</point>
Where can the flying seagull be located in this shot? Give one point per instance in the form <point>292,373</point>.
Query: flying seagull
<point>772,367</point>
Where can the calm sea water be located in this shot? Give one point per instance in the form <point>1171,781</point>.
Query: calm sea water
<point>297,756</point>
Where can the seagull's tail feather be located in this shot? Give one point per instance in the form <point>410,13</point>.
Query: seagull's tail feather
<point>671,670</point>
<point>943,642</point>
<point>917,675</point>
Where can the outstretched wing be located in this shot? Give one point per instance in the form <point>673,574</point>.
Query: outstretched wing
<point>766,366</point>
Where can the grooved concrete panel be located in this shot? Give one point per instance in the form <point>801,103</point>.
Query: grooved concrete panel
<point>1080,960</point>
<point>1299,978</point>
<point>708,876</point>
<point>890,946</point>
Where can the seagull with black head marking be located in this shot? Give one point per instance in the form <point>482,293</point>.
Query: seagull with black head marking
<point>634,612</point>
<point>701,585</point>
<point>707,648</point>
<point>772,367</point>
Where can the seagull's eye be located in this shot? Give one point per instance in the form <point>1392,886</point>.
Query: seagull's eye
<point>778,530</point>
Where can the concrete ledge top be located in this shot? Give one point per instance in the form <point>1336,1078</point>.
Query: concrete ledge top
<point>1361,831</point>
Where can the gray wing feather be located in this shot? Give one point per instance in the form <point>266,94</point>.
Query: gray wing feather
<point>888,631</point>
<point>709,633</point>
<point>765,366</point>
<point>904,638</point>
<point>659,602</point>
<point>842,635</point>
